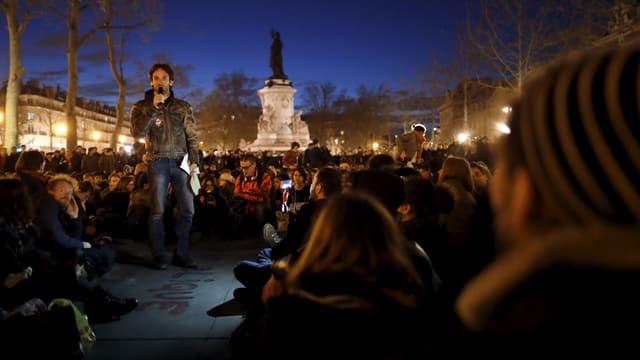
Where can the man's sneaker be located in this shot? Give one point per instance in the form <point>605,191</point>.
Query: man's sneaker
<point>184,261</point>
<point>159,262</point>
<point>270,235</point>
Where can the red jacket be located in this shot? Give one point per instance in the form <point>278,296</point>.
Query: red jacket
<point>254,190</point>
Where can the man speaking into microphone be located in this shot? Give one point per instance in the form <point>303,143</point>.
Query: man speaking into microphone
<point>169,128</point>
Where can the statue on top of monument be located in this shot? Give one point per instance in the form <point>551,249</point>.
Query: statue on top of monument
<point>275,61</point>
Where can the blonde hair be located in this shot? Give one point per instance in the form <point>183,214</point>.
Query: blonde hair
<point>457,168</point>
<point>55,179</point>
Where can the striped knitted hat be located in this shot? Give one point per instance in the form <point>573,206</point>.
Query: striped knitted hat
<point>577,127</point>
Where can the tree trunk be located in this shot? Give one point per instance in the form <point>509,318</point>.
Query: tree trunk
<point>119,77</point>
<point>72,62</point>
<point>16,72</point>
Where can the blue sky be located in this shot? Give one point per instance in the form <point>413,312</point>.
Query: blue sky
<point>348,42</point>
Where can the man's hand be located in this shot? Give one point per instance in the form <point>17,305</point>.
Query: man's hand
<point>158,100</point>
<point>72,208</point>
<point>86,245</point>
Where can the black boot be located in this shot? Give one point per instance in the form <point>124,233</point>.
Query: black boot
<point>104,307</point>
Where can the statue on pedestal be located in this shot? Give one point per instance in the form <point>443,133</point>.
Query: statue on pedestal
<point>275,61</point>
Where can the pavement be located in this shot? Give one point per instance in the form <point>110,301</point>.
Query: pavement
<point>171,320</point>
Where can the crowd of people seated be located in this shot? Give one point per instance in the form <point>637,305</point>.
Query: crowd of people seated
<point>534,250</point>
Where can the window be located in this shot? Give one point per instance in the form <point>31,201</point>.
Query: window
<point>30,116</point>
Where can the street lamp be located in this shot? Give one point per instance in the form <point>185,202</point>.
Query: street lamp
<point>503,128</point>
<point>96,135</point>
<point>59,131</point>
<point>462,137</point>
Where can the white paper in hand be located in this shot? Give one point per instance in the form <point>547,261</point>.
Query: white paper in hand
<point>185,164</point>
<point>194,180</point>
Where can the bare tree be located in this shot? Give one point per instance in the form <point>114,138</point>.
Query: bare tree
<point>319,97</point>
<point>364,119</point>
<point>16,27</point>
<point>76,40</point>
<point>229,113</point>
<point>511,38</point>
<point>133,14</point>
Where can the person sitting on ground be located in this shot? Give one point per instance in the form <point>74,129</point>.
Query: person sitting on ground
<point>26,272</point>
<point>389,189</point>
<point>254,275</point>
<point>299,192</point>
<point>113,208</point>
<point>354,276</point>
<point>61,230</point>
<point>566,202</point>
<point>29,169</point>
<point>251,193</point>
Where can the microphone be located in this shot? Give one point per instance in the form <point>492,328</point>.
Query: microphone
<point>161,92</point>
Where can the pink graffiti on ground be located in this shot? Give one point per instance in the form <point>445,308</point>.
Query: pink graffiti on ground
<point>174,297</point>
<point>176,307</point>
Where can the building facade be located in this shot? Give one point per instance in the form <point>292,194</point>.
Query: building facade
<point>42,122</point>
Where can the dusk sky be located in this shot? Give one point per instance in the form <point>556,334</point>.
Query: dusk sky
<point>348,42</point>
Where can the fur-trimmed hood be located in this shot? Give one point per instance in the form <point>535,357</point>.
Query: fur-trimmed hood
<point>607,248</point>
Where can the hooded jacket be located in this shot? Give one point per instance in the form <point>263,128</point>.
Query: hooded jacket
<point>571,291</point>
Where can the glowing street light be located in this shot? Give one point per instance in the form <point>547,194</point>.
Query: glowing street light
<point>96,135</point>
<point>503,128</point>
<point>61,130</point>
<point>375,146</point>
<point>506,109</point>
<point>121,138</point>
<point>462,137</point>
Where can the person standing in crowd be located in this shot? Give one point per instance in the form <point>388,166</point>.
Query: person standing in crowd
<point>290,158</point>
<point>410,145</point>
<point>567,208</point>
<point>169,126</point>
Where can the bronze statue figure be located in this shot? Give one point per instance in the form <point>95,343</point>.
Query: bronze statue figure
<point>276,57</point>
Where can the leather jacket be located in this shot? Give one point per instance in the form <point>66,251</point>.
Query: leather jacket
<point>169,132</point>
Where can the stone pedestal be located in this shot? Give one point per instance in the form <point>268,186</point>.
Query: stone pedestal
<point>278,125</point>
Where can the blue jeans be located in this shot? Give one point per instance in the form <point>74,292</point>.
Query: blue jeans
<point>163,171</point>
<point>255,274</point>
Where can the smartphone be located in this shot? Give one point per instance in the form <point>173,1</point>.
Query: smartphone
<point>286,184</point>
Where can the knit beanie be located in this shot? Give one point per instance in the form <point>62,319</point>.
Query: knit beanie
<point>577,127</point>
